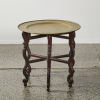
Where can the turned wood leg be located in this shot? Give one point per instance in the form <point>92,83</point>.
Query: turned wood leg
<point>26,56</point>
<point>71,60</point>
<point>49,61</point>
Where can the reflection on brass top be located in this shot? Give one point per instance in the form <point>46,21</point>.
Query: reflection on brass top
<point>49,26</point>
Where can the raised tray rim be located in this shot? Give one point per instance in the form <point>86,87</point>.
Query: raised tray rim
<point>51,20</point>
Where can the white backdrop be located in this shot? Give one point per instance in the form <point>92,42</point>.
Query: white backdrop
<point>84,12</point>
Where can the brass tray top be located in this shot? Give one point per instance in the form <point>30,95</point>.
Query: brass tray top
<point>49,26</point>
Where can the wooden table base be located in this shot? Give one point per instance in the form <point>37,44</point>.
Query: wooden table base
<point>27,54</point>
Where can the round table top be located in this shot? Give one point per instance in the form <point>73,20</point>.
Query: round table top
<point>48,26</point>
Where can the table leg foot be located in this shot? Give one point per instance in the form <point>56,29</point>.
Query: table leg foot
<point>71,63</point>
<point>25,82</point>
<point>26,73</point>
<point>70,85</point>
<point>48,87</point>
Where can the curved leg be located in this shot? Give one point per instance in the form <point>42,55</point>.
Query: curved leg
<point>49,61</point>
<point>27,67</point>
<point>71,60</point>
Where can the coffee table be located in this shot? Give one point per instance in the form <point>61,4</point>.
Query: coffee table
<point>49,29</point>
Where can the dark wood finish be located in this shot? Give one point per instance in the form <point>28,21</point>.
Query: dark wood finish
<point>27,54</point>
<point>59,36</point>
<point>38,56</point>
<point>37,36</point>
<point>49,61</point>
<point>59,60</point>
<point>37,60</point>
<point>71,60</point>
<point>27,67</point>
<point>61,56</point>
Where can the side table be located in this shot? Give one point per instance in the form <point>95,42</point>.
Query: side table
<point>49,29</point>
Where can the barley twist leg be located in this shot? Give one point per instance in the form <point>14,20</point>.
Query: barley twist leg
<point>26,56</point>
<point>71,60</point>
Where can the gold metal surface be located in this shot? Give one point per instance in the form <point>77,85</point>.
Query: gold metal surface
<point>49,26</point>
